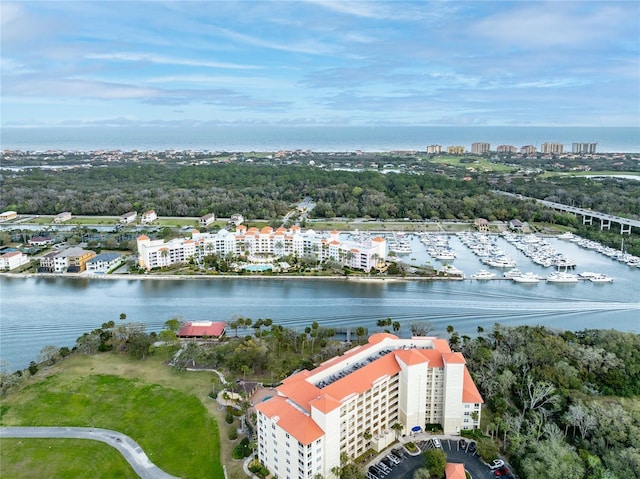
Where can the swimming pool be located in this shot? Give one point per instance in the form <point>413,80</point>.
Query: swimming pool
<point>258,267</point>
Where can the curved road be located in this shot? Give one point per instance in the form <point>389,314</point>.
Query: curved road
<point>130,449</point>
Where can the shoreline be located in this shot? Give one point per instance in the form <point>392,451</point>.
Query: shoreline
<point>166,277</point>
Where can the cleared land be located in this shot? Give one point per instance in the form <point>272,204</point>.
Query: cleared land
<point>167,412</point>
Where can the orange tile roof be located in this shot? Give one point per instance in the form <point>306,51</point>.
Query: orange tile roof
<point>335,243</point>
<point>194,232</point>
<point>266,230</point>
<point>470,393</point>
<point>441,345</point>
<point>252,230</point>
<point>335,232</point>
<point>410,356</point>
<point>325,404</point>
<point>143,238</point>
<point>434,357</point>
<point>295,227</point>
<point>454,470</point>
<point>281,229</point>
<point>361,380</point>
<point>377,337</point>
<point>301,392</point>
<point>453,358</point>
<point>290,419</point>
<point>379,239</point>
<point>354,250</point>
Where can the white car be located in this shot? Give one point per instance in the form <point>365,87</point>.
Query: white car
<point>496,464</point>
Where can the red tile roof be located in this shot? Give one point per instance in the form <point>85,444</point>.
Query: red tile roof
<point>454,470</point>
<point>470,393</point>
<point>292,420</point>
<point>196,329</point>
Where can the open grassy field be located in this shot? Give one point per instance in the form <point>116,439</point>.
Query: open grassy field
<point>479,163</point>
<point>167,412</point>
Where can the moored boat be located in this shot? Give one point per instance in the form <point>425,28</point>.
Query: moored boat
<point>562,277</point>
<point>483,274</point>
<point>527,278</point>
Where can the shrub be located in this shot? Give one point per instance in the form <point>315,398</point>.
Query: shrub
<point>233,434</point>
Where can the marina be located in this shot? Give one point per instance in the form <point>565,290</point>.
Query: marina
<point>68,307</point>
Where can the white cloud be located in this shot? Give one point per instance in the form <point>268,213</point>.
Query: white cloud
<point>164,60</point>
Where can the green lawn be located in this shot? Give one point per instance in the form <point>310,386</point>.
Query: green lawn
<point>172,425</point>
<point>479,163</point>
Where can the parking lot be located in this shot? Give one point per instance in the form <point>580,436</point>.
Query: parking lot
<point>398,464</point>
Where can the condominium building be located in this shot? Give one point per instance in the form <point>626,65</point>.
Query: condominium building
<point>70,260</point>
<point>480,148</point>
<point>265,243</point>
<point>434,149</point>
<point>362,400</point>
<point>456,150</point>
<point>506,149</point>
<point>584,147</point>
<point>553,148</point>
<point>528,150</point>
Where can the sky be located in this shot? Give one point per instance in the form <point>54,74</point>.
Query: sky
<point>320,62</point>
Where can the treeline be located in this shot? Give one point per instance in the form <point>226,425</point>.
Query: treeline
<point>256,191</point>
<point>560,404</point>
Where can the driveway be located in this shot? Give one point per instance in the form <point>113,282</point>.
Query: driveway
<point>130,449</point>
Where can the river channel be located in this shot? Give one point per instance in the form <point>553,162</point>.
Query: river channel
<point>40,311</point>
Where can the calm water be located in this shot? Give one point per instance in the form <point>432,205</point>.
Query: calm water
<point>40,311</point>
<point>271,138</point>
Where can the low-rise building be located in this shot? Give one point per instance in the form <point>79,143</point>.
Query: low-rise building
<point>481,224</point>
<point>129,217</point>
<point>148,217</point>
<point>104,262</point>
<point>70,260</point>
<point>201,329</point>
<point>360,401</point>
<point>40,241</point>
<point>8,215</point>
<point>13,260</point>
<point>207,219</point>
<point>237,219</point>
<point>62,217</point>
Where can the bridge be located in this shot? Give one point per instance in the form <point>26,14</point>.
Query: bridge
<point>587,215</point>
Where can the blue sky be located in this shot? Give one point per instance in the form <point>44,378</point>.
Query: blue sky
<point>320,62</point>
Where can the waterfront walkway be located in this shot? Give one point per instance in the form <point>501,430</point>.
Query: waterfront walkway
<point>130,449</point>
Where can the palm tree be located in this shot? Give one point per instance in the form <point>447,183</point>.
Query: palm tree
<point>360,331</point>
<point>398,428</point>
<point>396,326</point>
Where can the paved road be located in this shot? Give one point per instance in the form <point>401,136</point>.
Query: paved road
<point>130,449</point>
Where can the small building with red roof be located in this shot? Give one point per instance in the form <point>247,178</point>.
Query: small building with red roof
<point>201,329</point>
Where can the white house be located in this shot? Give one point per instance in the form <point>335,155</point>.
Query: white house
<point>129,217</point>
<point>13,260</point>
<point>104,262</point>
<point>207,219</point>
<point>148,217</point>
<point>62,217</point>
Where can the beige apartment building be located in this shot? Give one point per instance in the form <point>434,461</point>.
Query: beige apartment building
<point>362,400</point>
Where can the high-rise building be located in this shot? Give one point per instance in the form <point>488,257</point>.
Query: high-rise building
<point>456,150</point>
<point>553,148</point>
<point>506,149</point>
<point>434,149</point>
<point>361,401</point>
<point>480,148</point>
<point>584,147</point>
<point>528,150</point>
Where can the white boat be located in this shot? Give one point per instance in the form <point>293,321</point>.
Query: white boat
<point>566,236</point>
<point>512,273</point>
<point>527,278</point>
<point>601,278</point>
<point>562,277</point>
<point>450,270</point>
<point>483,274</point>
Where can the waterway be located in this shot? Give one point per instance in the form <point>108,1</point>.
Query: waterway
<point>40,311</point>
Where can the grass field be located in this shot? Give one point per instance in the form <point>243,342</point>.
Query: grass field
<point>167,412</point>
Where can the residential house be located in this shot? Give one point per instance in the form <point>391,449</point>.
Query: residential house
<point>481,224</point>
<point>129,217</point>
<point>148,217</point>
<point>207,219</point>
<point>13,260</point>
<point>40,241</point>
<point>200,329</point>
<point>104,262</point>
<point>62,217</point>
<point>8,215</point>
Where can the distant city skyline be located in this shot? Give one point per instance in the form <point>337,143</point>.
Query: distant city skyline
<point>320,62</point>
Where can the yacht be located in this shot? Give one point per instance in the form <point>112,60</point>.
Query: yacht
<point>483,274</point>
<point>450,270</point>
<point>601,278</point>
<point>512,273</point>
<point>526,278</point>
<point>562,277</point>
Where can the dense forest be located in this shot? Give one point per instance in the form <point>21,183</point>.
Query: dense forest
<point>560,404</point>
<point>267,192</point>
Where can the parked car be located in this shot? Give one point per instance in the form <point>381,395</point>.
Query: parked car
<point>496,464</point>
<point>503,471</point>
<point>462,443</point>
<point>471,448</point>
